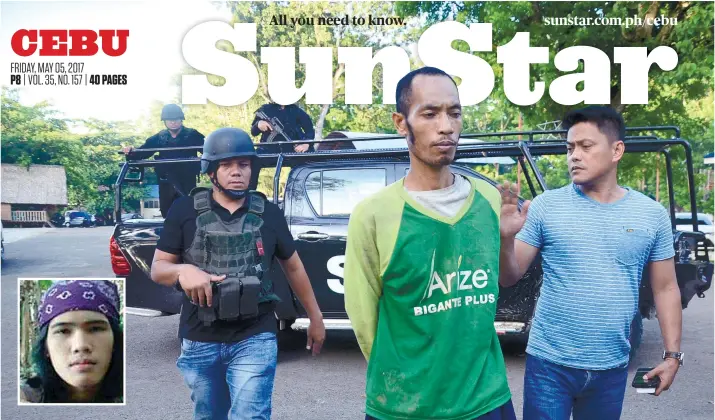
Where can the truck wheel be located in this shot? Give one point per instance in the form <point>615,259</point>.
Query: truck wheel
<point>636,334</point>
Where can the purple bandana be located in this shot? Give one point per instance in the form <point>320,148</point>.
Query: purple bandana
<point>79,295</point>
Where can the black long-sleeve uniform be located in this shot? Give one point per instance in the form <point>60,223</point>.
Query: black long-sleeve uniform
<point>173,176</point>
<point>296,123</point>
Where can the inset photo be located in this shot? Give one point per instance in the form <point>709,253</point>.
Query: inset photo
<point>71,341</point>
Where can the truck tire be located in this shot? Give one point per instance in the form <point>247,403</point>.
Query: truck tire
<point>636,334</point>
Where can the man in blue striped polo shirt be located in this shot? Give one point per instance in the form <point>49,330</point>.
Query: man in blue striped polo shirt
<point>595,239</point>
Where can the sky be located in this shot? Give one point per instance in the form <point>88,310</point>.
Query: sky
<point>156,30</point>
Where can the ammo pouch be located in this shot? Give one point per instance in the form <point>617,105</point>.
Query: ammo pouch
<point>234,248</point>
<point>234,299</point>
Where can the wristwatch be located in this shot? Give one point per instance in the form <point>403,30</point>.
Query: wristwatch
<point>674,355</point>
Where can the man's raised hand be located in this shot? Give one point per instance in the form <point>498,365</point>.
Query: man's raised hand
<point>511,220</point>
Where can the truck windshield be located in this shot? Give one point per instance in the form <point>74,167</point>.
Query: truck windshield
<point>336,192</point>
<point>701,222</point>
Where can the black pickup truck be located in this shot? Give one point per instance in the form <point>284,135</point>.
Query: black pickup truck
<point>323,187</point>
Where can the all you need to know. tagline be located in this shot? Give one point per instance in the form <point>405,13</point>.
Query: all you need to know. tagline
<point>283,20</point>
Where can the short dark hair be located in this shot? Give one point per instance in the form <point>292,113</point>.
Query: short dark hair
<point>403,93</point>
<point>607,119</point>
<point>55,389</point>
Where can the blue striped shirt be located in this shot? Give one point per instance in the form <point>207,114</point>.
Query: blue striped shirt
<point>593,256</point>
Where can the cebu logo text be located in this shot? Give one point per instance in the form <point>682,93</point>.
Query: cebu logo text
<point>69,42</point>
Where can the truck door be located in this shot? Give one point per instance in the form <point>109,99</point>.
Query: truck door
<point>321,200</point>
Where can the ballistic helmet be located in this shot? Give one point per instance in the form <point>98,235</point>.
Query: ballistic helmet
<point>225,143</point>
<point>172,112</point>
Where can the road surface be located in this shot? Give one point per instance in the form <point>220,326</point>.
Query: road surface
<point>329,387</point>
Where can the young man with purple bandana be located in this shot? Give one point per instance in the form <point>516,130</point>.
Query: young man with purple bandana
<point>78,355</point>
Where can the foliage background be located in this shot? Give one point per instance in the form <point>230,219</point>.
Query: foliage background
<point>683,97</point>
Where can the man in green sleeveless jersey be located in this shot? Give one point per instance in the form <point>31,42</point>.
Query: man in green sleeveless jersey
<point>422,270</point>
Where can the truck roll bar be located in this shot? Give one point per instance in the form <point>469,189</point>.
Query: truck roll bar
<point>507,144</point>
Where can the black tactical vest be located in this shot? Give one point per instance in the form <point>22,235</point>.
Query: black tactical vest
<point>233,248</point>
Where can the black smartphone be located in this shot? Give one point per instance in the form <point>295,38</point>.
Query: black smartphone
<point>641,385</point>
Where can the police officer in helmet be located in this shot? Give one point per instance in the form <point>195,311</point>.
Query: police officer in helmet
<point>175,179</point>
<point>216,246</point>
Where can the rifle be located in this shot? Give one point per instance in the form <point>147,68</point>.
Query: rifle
<point>276,125</point>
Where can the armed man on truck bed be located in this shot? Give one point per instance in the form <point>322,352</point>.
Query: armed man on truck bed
<point>217,245</point>
<point>175,179</point>
<point>280,123</point>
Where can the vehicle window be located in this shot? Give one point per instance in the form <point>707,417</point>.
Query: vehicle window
<point>341,190</point>
<point>681,221</point>
<point>312,188</point>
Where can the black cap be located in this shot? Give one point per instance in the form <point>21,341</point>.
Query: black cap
<point>226,143</point>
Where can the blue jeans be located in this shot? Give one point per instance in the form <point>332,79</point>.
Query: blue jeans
<point>552,392</point>
<point>230,380</point>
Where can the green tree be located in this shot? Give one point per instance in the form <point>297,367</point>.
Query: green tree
<point>691,37</point>
<point>35,135</point>
<point>101,145</point>
<point>681,97</point>
<point>326,117</point>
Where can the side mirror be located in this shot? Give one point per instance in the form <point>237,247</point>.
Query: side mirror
<point>134,175</point>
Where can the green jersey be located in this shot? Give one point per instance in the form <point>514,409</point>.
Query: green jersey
<point>421,292</point>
